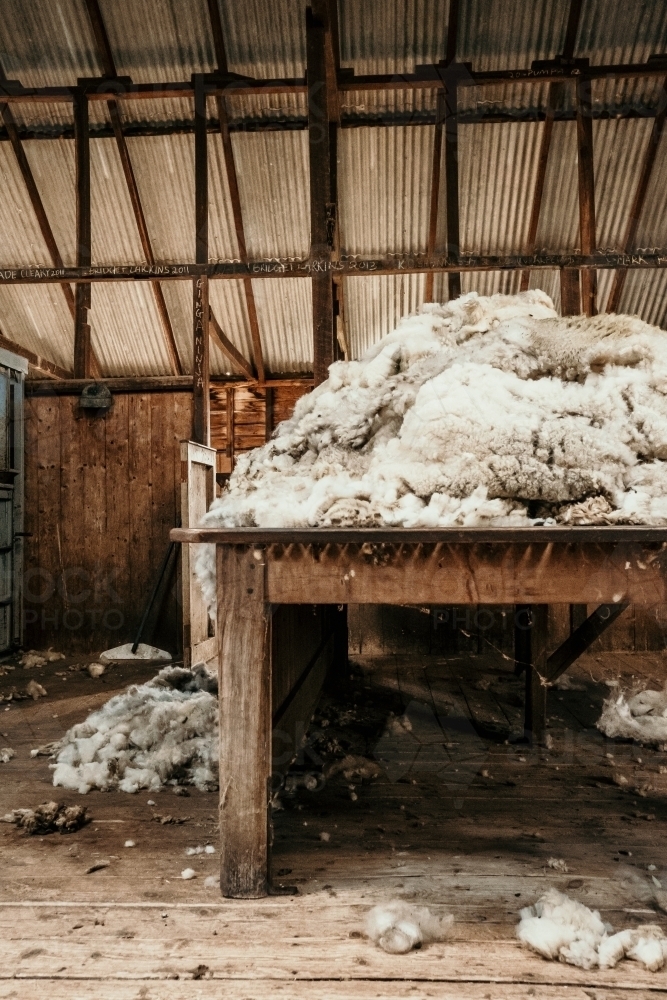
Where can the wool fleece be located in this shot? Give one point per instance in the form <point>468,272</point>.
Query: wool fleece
<point>484,411</point>
<point>165,730</point>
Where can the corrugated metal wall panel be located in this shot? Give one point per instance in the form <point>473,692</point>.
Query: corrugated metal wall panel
<point>179,298</point>
<point>558,229</point>
<point>652,231</point>
<point>497,172</point>
<point>164,169</point>
<point>125,330</point>
<point>37,317</point>
<point>166,40</point>
<point>645,295</point>
<point>375,303</point>
<point>384,193</point>
<point>623,31</point>
<point>20,238</point>
<point>391,36</point>
<point>228,303</point>
<point>265,38</point>
<point>115,237</point>
<point>272,169</point>
<point>47,44</point>
<point>223,244</point>
<point>510,34</point>
<point>619,147</point>
<point>284,310</point>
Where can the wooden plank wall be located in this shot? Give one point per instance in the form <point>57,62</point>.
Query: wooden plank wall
<point>252,422</point>
<point>102,493</point>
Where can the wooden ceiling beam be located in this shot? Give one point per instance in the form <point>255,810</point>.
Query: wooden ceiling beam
<point>353,266</point>
<point>639,199</point>
<point>234,193</point>
<point>150,383</point>
<point>106,58</point>
<point>426,78</point>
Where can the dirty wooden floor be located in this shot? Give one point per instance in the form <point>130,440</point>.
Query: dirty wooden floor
<point>463,818</point>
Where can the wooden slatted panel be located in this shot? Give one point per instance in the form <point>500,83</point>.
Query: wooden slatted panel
<point>250,416</point>
<point>102,493</point>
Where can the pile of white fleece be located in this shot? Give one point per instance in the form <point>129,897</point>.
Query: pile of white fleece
<point>641,716</point>
<point>164,730</point>
<point>483,411</point>
<point>560,927</point>
<point>398,927</point>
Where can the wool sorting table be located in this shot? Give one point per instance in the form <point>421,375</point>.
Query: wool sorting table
<point>281,625</point>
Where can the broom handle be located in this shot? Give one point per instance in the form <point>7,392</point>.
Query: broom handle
<point>151,599</point>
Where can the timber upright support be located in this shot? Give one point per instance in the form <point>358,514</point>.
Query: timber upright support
<point>530,644</point>
<point>244,692</point>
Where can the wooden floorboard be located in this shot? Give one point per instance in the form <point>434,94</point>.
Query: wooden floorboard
<point>463,819</point>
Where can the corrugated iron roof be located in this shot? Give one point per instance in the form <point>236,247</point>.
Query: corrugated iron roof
<point>384,172</point>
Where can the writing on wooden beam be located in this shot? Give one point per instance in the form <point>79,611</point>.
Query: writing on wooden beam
<point>392,264</point>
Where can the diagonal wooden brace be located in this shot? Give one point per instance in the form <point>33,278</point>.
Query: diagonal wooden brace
<point>582,637</point>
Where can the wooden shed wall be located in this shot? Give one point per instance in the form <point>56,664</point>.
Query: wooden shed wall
<point>102,493</point>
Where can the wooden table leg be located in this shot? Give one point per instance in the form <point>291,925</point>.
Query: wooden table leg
<point>245,721</point>
<point>535,653</point>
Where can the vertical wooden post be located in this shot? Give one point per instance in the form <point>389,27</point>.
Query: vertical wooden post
<point>201,429</point>
<point>535,645</point>
<point>570,292</point>
<point>586,193</point>
<point>435,191</point>
<point>452,178</point>
<point>230,427</point>
<point>268,413</point>
<point>322,204</point>
<point>82,295</point>
<point>245,721</point>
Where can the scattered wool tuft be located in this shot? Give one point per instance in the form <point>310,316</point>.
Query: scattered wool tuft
<point>6,755</point>
<point>96,669</point>
<point>33,658</point>
<point>398,927</point>
<point>188,873</point>
<point>641,716</point>
<point>164,730</point>
<point>354,766</point>
<point>35,690</point>
<point>559,927</point>
<point>558,864</point>
<point>49,817</point>
<point>482,411</point>
<point>129,843</point>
